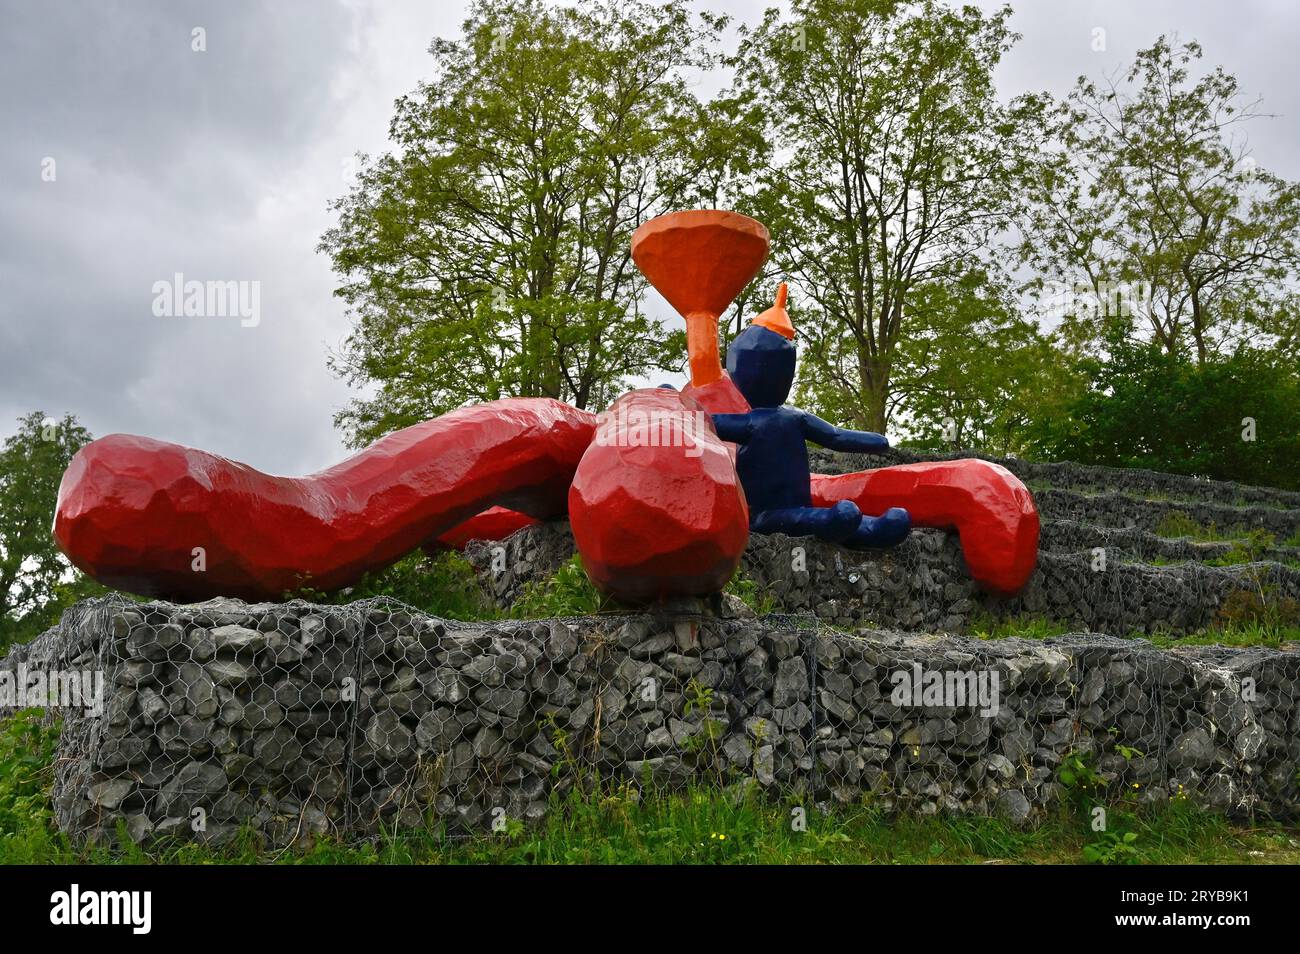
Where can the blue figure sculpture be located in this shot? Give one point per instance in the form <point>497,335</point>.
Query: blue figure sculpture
<point>773,457</point>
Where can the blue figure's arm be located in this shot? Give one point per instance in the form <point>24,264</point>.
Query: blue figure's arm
<point>735,428</point>
<point>839,439</point>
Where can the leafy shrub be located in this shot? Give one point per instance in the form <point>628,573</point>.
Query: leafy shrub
<point>27,747</point>
<point>441,585</point>
<point>1176,524</point>
<point>760,600</point>
<point>1259,607</point>
<point>1146,408</point>
<point>1249,549</point>
<point>568,593</point>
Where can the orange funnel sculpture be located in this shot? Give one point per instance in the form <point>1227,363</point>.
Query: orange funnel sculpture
<point>699,261</point>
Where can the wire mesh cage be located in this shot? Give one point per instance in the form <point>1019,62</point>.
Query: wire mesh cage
<point>298,721</point>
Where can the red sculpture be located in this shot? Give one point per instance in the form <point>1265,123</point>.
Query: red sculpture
<point>495,523</point>
<point>160,519</point>
<point>652,518</point>
<point>986,504</point>
<point>656,505</point>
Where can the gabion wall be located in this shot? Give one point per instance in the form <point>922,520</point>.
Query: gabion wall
<point>1102,567</point>
<point>922,584</point>
<point>300,720</point>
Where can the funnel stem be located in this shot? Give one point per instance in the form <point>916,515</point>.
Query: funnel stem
<point>702,347</point>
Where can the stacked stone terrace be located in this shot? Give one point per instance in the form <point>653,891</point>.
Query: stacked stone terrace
<point>1111,558</point>
<point>298,721</point>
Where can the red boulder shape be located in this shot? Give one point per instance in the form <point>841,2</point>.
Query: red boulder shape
<point>164,520</point>
<point>991,510</point>
<point>656,507</point>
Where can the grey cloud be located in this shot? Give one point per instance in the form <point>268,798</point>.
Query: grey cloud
<point>170,160</point>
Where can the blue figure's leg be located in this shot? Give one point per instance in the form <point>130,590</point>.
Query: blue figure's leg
<point>887,530</point>
<point>835,524</point>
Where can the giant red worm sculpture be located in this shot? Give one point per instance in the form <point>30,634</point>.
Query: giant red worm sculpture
<point>161,519</point>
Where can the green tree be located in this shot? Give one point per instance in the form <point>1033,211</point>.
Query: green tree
<point>1151,208</point>
<point>976,373</point>
<point>488,254</point>
<point>36,580</point>
<point>890,169</point>
<point>1230,418</point>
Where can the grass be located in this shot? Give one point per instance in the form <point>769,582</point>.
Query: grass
<point>1256,632</point>
<point>1237,556</point>
<point>708,827</point>
<point>1178,525</point>
<point>1022,627</point>
<point>719,826</point>
<point>1234,634</point>
<point>568,592</point>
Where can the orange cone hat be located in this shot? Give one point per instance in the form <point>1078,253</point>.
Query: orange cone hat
<point>777,318</point>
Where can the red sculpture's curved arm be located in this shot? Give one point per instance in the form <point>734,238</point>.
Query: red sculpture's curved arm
<point>988,506</point>
<point>160,519</point>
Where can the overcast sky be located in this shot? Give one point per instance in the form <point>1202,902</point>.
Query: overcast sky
<point>220,164</point>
